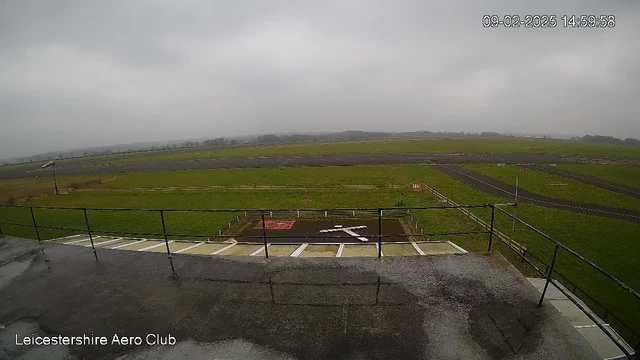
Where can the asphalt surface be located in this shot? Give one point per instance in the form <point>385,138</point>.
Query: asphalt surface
<point>92,167</point>
<point>496,187</point>
<point>429,307</point>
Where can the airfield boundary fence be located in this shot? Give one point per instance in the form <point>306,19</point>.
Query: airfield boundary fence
<point>548,273</point>
<point>223,188</point>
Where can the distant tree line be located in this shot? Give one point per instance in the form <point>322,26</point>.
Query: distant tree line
<point>610,140</point>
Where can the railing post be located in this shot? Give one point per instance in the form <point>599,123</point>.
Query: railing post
<point>166,241</point>
<point>86,221</point>
<point>264,236</point>
<point>379,234</point>
<point>493,214</point>
<point>35,225</point>
<point>549,273</point>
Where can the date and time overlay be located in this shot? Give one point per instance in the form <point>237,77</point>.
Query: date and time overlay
<point>549,21</point>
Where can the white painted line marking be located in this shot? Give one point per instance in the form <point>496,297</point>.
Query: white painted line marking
<point>587,326</point>
<point>415,246</point>
<point>127,244</point>
<point>299,250</point>
<point>104,242</point>
<point>76,241</point>
<point>357,236</point>
<point>340,249</point>
<point>223,249</point>
<point>65,238</point>
<point>188,248</point>
<point>154,246</point>
<point>458,247</point>
<point>259,250</point>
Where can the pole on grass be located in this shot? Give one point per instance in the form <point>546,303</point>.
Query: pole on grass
<point>264,236</point>
<point>55,182</point>
<point>86,221</point>
<point>166,241</point>
<point>52,164</point>
<point>35,225</point>
<point>379,234</point>
<point>549,273</point>
<point>493,214</point>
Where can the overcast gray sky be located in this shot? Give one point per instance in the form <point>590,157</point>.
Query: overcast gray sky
<point>87,73</point>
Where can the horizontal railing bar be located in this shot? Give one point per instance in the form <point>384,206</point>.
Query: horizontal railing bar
<point>249,210</point>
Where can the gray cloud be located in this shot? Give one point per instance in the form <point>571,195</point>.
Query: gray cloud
<point>83,73</point>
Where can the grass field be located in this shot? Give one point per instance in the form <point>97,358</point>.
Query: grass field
<point>623,174</point>
<point>17,190</point>
<point>330,175</point>
<point>537,182</point>
<point>536,146</point>
<point>607,242</point>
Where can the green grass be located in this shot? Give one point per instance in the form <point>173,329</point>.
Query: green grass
<point>536,146</point>
<point>622,174</point>
<point>27,188</point>
<point>330,175</point>
<point>536,182</point>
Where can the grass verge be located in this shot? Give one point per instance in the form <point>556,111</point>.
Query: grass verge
<point>544,184</point>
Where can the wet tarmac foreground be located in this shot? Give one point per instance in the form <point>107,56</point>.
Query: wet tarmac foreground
<point>437,307</point>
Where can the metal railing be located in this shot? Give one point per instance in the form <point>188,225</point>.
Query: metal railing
<point>550,269</point>
<point>379,213</point>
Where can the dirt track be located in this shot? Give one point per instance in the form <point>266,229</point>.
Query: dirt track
<point>87,167</point>
<point>495,187</point>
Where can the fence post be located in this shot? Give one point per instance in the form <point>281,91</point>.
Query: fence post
<point>549,273</point>
<point>35,225</point>
<point>264,236</point>
<point>166,241</point>
<point>86,221</point>
<point>493,214</point>
<point>379,234</point>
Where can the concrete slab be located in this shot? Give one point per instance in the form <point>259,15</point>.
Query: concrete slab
<point>438,248</point>
<point>399,250</point>
<point>320,251</point>
<point>242,250</point>
<point>605,347</point>
<point>68,240</point>
<point>174,246</point>
<point>96,240</point>
<point>421,307</point>
<point>281,250</point>
<point>79,241</point>
<point>552,292</point>
<point>575,316</point>
<point>124,243</point>
<point>360,251</point>
<point>118,243</point>
<point>205,249</point>
<point>139,245</point>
